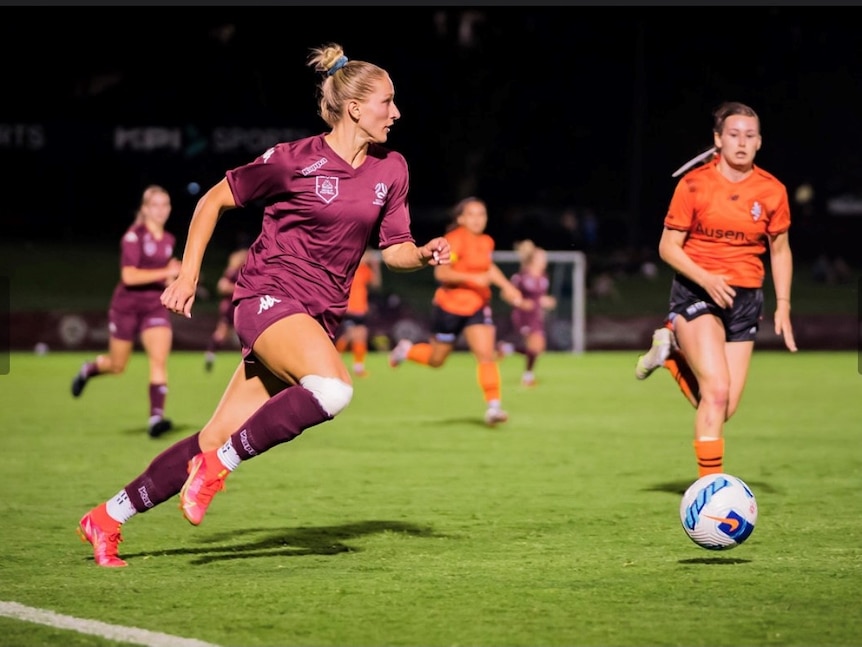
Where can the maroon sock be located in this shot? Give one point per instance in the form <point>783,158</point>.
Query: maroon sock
<point>531,360</point>
<point>213,345</point>
<point>281,419</point>
<point>91,369</point>
<point>158,393</point>
<point>165,475</point>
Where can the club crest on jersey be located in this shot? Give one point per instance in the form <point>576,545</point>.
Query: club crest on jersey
<point>756,211</point>
<point>326,188</point>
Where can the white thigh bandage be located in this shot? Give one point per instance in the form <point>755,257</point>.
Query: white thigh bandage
<point>332,394</point>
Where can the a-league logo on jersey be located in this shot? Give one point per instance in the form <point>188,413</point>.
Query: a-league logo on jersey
<point>380,193</point>
<point>326,188</point>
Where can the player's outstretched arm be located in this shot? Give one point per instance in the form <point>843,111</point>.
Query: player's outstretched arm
<point>408,257</point>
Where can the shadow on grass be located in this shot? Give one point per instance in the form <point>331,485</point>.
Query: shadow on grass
<point>291,542</point>
<point>179,431</point>
<point>715,561</point>
<point>469,422</point>
<point>672,487</point>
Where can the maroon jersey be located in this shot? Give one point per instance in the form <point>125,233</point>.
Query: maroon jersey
<point>139,248</point>
<point>319,215</point>
<point>532,288</point>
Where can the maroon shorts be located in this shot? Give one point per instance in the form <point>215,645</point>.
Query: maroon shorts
<point>527,322</point>
<point>128,324</point>
<point>253,315</point>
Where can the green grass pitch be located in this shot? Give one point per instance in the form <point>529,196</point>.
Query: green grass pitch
<point>405,521</point>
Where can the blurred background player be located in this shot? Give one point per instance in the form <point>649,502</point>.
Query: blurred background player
<point>224,288</point>
<point>353,332</point>
<point>528,320</point>
<point>462,303</point>
<point>721,219</point>
<point>147,266</point>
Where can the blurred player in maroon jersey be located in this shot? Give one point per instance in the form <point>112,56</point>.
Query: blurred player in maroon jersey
<point>147,265</point>
<point>224,287</point>
<point>528,320</point>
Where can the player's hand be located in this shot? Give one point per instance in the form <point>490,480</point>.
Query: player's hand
<point>720,290</point>
<point>435,252</point>
<point>784,328</point>
<point>478,279</point>
<point>513,296</point>
<point>548,302</point>
<point>179,296</point>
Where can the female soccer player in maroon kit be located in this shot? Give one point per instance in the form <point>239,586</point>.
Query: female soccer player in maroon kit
<point>225,287</point>
<point>529,320</point>
<point>324,196</point>
<point>147,265</point>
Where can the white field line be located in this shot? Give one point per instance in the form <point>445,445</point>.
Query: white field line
<point>95,628</point>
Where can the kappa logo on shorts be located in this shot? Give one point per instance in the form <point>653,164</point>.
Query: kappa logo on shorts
<point>266,303</point>
<point>326,188</point>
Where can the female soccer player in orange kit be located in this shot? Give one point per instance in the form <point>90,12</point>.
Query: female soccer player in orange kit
<point>722,218</point>
<point>462,303</point>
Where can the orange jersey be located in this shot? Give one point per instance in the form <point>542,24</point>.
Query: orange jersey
<point>357,302</point>
<point>728,223</point>
<point>471,254</point>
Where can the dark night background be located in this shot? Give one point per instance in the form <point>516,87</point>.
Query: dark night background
<point>535,109</point>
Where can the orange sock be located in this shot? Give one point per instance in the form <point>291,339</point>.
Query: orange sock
<point>710,455</point>
<point>685,379</point>
<point>420,353</point>
<point>488,374</point>
<point>341,345</point>
<point>360,349</point>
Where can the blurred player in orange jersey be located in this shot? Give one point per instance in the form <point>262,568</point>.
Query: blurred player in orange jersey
<point>462,303</point>
<point>353,333</point>
<point>722,218</point>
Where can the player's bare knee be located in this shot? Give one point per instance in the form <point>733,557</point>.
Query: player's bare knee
<point>333,394</point>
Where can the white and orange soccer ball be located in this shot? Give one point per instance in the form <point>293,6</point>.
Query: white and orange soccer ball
<point>718,511</point>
